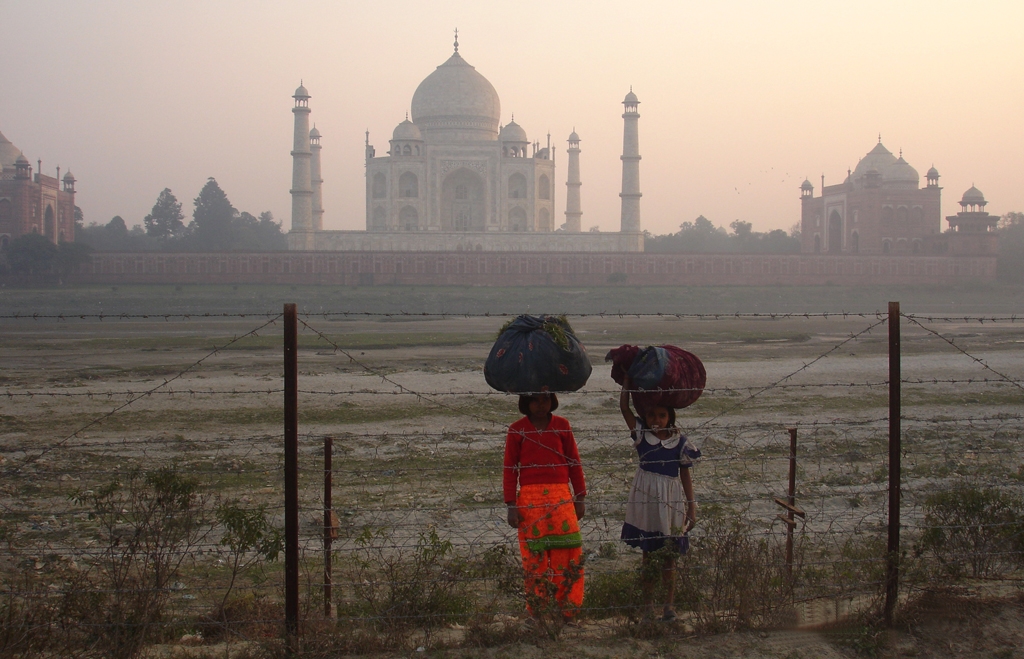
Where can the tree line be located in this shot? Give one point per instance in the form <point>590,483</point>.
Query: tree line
<point>216,226</point>
<point>701,237</point>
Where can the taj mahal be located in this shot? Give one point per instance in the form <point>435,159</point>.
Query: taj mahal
<point>455,179</point>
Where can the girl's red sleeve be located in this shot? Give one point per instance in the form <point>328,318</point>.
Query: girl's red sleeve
<point>510,474</point>
<point>572,454</point>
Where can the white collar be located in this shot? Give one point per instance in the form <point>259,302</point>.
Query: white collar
<point>654,440</point>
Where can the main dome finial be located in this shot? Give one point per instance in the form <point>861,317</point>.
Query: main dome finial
<point>456,39</point>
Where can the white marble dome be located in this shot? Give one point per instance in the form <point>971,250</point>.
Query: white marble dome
<point>513,132</point>
<point>456,102</point>
<point>406,131</point>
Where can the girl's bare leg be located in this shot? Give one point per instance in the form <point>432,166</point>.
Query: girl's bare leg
<point>668,580</point>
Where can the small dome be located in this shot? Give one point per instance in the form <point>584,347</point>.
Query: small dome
<point>69,177</point>
<point>407,131</point>
<point>932,173</point>
<point>902,172</point>
<point>973,196</point>
<point>512,132</point>
<point>301,92</point>
<point>806,185</point>
<point>573,137</point>
<point>630,97</point>
<point>22,160</point>
<point>314,133</point>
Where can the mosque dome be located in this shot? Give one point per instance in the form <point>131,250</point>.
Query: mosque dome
<point>8,152</point>
<point>806,185</point>
<point>878,159</point>
<point>573,137</point>
<point>892,171</point>
<point>512,132</point>
<point>630,97</point>
<point>314,133</point>
<point>455,101</point>
<point>973,196</point>
<point>69,177</point>
<point>932,173</point>
<point>22,160</point>
<point>407,131</point>
<point>300,92</point>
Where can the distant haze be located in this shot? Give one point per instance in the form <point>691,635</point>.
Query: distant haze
<point>740,101</point>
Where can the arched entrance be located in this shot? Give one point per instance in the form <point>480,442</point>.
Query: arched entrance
<point>462,202</point>
<point>835,232</point>
<point>49,225</point>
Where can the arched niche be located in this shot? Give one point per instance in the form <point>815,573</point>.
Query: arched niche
<point>517,186</point>
<point>543,187</point>
<point>380,186</point>
<point>408,185</point>
<point>835,232</point>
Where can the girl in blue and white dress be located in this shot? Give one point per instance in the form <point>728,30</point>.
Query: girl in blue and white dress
<point>661,507</point>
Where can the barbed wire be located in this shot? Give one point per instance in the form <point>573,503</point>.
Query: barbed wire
<point>384,477</point>
<point>327,315</point>
<point>130,401</point>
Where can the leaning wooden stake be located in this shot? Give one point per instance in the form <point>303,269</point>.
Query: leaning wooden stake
<point>790,505</point>
<point>892,578</point>
<point>291,477</point>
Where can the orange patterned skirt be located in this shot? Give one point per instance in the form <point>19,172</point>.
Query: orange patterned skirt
<point>551,547</point>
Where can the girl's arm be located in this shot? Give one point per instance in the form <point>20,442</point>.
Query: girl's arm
<point>627,413</point>
<point>691,502</point>
<point>510,476</point>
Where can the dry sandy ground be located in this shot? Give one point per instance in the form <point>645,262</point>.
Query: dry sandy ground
<point>391,390</point>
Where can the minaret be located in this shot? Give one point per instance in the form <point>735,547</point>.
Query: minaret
<point>302,184</point>
<point>630,166</point>
<point>573,214</point>
<point>318,183</point>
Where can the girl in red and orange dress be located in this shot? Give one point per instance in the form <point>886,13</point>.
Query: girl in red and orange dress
<point>541,461</point>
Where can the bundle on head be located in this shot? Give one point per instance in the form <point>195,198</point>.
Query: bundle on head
<point>666,376</point>
<point>537,352</point>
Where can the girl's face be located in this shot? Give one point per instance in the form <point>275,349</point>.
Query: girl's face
<point>540,405</point>
<point>656,417</point>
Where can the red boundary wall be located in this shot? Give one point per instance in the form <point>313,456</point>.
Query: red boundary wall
<point>537,268</point>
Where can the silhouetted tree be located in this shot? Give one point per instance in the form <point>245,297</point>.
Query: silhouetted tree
<point>212,218</point>
<point>31,254</point>
<point>165,220</point>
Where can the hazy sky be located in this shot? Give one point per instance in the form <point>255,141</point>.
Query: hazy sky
<point>739,100</point>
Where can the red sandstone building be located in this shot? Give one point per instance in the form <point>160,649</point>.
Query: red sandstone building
<point>33,203</point>
<point>878,209</point>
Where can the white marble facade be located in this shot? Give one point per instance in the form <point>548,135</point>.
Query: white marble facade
<point>454,179</point>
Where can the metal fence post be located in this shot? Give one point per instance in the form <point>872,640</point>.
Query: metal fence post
<point>329,528</point>
<point>291,476</point>
<point>892,578</point>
